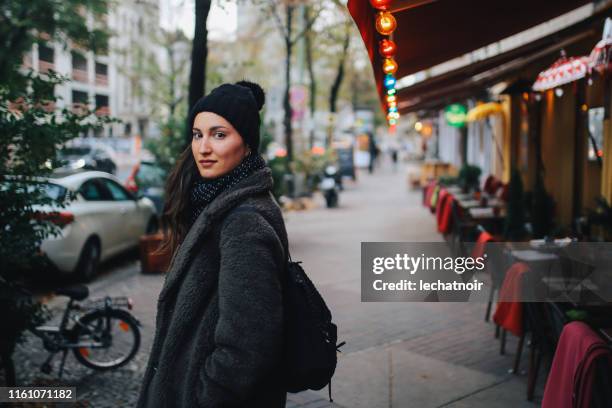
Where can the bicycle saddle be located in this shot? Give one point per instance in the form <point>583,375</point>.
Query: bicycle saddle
<point>76,292</point>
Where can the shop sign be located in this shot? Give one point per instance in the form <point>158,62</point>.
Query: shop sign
<point>456,115</point>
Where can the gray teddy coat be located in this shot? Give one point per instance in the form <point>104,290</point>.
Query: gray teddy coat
<point>219,330</point>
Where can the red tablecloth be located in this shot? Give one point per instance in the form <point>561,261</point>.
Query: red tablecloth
<point>509,314</point>
<point>442,197</point>
<point>481,243</point>
<point>445,222</point>
<point>570,381</point>
<point>428,192</point>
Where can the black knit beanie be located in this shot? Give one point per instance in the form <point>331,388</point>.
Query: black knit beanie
<point>237,103</point>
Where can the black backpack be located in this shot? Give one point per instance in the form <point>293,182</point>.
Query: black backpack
<point>310,336</point>
<point>309,356</point>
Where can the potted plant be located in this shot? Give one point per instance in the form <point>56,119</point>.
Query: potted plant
<point>469,177</point>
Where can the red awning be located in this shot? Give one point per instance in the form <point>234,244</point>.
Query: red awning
<point>563,71</point>
<point>601,56</point>
<point>430,32</point>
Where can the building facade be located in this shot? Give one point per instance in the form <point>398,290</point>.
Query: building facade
<point>109,82</point>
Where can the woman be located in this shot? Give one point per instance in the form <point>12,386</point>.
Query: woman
<point>219,330</point>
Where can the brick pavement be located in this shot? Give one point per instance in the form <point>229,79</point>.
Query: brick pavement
<point>397,354</point>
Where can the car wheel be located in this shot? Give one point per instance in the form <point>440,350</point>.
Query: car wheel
<point>152,226</point>
<point>87,268</point>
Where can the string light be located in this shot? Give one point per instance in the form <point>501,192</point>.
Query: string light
<point>380,4</point>
<point>387,48</point>
<point>390,81</point>
<point>390,66</point>
<point>385,23</point>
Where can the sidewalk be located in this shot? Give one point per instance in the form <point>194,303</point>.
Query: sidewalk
<point>398,354</point>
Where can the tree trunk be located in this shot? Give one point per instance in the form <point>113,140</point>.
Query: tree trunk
<point>335,89</point>
<point>172,105</point>
<point>199,52</point>
<point>313,82</point>
<point>286,102</point>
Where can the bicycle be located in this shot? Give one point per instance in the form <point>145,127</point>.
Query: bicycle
<point>104,336</point>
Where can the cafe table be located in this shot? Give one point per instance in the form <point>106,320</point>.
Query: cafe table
<point>454,190</point>
<point>486,213</point>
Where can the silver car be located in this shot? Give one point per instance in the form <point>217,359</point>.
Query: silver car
<point>103,220</point>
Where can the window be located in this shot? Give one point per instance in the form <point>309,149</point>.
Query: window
<point>117,192</point>
<point>48,190</point>
<point>595,139</point>
<point>79,97</point>
<point>91,191</point>
<point>79,61</point>
<point>101,69</point>
<point>101,101</point>
<point>45,53</point>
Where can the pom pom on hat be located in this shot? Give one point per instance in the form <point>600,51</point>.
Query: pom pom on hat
<point>256,90</point>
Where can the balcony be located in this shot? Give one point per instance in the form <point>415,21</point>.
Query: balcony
<point>101,80</point>
<point>103,111</point>
<point>44,66</point>
<point>80,75</point>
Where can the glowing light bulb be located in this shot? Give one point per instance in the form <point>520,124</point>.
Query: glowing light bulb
<point>387,48</point>
<point>390,66</point>
<point>380,4</point>
<point>385,23</point>
<point>389,81</point>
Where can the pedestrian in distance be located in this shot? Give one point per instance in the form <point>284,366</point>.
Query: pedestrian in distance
<point>394,158</point>
<point>373,149</point>
<point>219,330</point>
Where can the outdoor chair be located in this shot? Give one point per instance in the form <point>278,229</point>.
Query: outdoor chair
<point>496,265</point>
<point>544,321</point>
<point>462,230</point>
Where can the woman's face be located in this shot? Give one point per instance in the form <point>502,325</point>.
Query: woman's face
<point>217,147</point>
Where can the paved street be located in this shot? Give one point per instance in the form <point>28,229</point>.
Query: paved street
<point>397,354</point>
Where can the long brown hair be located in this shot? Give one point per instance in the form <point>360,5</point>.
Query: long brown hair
<point>175,216</point>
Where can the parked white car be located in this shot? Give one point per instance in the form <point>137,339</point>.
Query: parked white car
<point>103,220</point>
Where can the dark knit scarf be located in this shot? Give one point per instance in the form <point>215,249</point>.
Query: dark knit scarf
<point>204,191</point>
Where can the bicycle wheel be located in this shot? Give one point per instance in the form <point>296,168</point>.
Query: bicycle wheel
<point>109,338</point>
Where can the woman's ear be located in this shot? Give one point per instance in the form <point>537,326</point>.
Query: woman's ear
<point>247,152</point>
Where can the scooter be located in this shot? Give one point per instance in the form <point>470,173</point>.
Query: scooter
<point>329,186</point>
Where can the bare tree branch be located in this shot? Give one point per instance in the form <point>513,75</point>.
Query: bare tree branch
<point>311,20</point>
<point>277,19</point>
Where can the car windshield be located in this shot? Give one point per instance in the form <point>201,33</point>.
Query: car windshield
<point>150,175</point>
<point>74,151</point>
